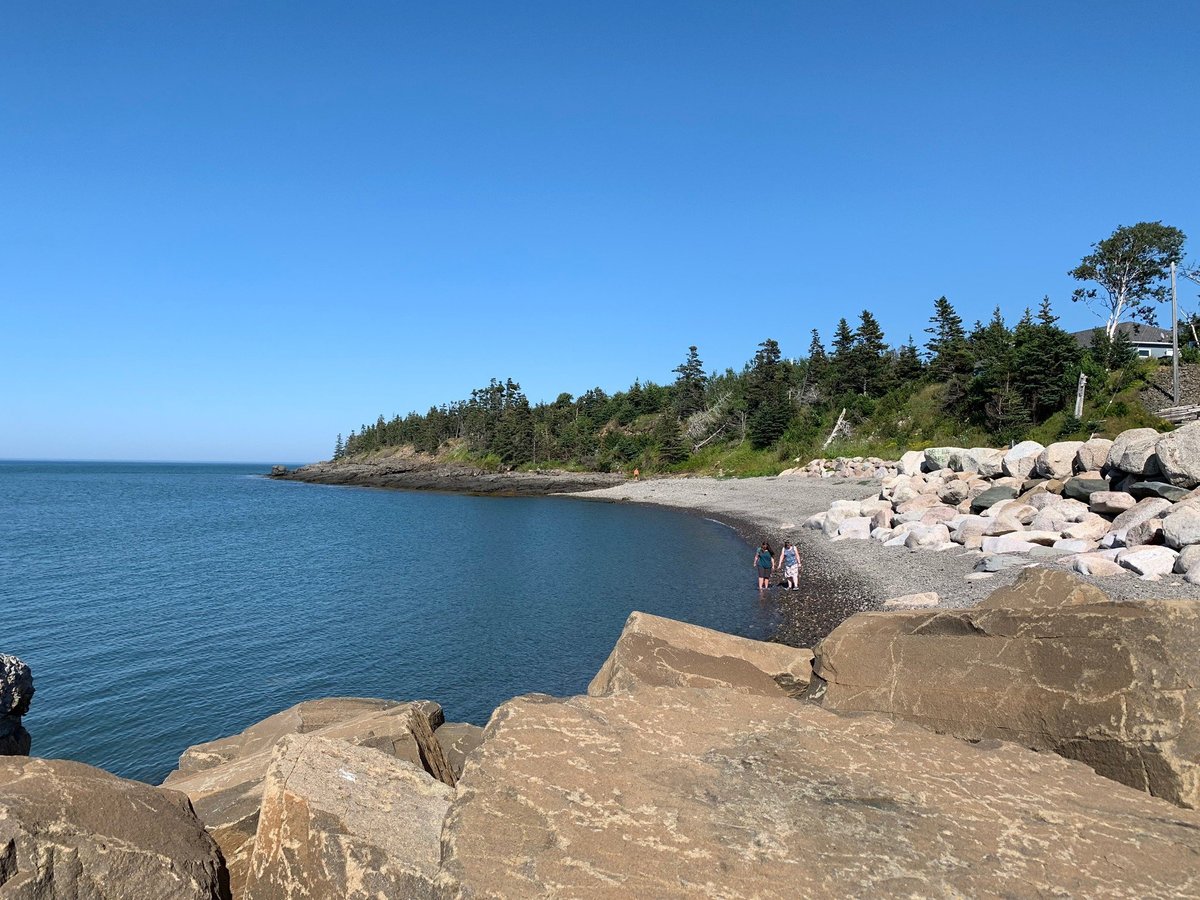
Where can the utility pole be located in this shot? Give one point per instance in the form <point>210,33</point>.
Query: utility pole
<point>1174,336</point>
<point>1079,393</point>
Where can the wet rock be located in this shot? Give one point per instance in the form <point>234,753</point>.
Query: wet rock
<point>767,797</point>
<point>224,778</point>
<point>71,831</point>
<point>16,693</point>
<point>654,652</point>
<point>1050,663</point>
<point>340,821</point>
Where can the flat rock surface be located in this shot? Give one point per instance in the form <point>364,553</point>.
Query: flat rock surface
<point>74,832</point>
<point>680,792</point>
<point>653,651</point>
<point>341,822</point>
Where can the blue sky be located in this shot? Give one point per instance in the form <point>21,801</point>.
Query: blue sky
<point>230,231</point>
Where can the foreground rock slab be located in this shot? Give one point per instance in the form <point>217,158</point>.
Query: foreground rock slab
<point>74,832</point>
<point>345,822</point>
<point>224,778</point>
<point>1050,663</point>
<point>678,792</point>
<point>653,651</point>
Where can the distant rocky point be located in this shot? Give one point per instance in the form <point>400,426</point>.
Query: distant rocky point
<point>419,472</point>
<point>893,759</point>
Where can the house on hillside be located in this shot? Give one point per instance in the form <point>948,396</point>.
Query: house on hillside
<point>1150,341</point>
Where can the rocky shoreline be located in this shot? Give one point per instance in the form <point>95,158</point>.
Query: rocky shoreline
<point>420,473</point>
<point>1039,744</point>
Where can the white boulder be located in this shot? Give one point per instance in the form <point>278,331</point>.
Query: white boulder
<point>1021,459</point>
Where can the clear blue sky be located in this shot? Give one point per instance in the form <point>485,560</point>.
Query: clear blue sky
<point>229,231</point>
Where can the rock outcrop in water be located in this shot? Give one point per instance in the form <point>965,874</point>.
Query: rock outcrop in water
<point>699,765</point>
<point>16,693</point>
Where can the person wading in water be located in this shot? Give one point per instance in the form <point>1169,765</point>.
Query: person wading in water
<point>789,561</point>
<point>764,562</point>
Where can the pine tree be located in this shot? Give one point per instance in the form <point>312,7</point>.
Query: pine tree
<point>869,362</point>
<point>1045,363</point>
<point>339,449</point>
<point>949,354</point>
<point>818,362</point>
<point>690,385</point>
<point>908,363</point>
<point>842,377</point>
<point>768,407</point>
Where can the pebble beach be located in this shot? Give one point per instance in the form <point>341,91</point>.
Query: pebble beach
<point>839,578</point>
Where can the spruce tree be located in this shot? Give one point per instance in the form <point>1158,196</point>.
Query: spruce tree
<point>908,366</point>
<point>818,362</point>
<point>339,449</point>
<point>768,407</point>
<point>690,385</point>
<point>869,362</point>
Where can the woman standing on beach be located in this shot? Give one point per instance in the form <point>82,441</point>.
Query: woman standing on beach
<point>764,562</point>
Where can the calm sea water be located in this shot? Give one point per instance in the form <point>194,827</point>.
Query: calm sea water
<point>164,605</point>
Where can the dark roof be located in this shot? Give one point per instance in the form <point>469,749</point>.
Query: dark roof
<point>1135,331</point>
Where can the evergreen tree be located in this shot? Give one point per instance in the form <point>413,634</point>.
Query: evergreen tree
<point>818,362</point>
<point>842,376</point>
<point>690,385</point>
<point>768,407</point>
<point>908,366</point>
<point>1045,365</point>
<point>339,449</point>
<point>868,357</point>
<point>950,361</point>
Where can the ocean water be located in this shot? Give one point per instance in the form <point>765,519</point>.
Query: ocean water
<point>161,605</point>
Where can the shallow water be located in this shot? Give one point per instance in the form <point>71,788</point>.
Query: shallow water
<point>163,605</point>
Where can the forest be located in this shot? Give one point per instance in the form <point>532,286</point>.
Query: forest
<point>990,384</point>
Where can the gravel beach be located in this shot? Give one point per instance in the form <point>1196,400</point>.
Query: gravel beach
<point>840,578</point>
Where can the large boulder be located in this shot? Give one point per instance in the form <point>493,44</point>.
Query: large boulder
<point>679,793</point>
<point>1146,508</point>
<point>937,458</point>
<point>16,693</point>
<point>1081,488</point>
<point>340,821</point>
<point>1133,452</point>
<point>73,832</point>
<point>1050,663</point>
<point>1021,459</point>
<point>224,779</point>
<point>1148,561</point>
<point>1058,460</point>
<point>991,497</point>
<point>911,462</point>
<point>1160,489</point>
<point>1111,503</point>
<point>1178,455</point>
<point>987,462</point>
<point>653,651</point>
<point>1093,455</point>
<point>1181,526</point>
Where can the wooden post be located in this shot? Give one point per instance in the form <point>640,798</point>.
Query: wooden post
<point>1079,395</point>
<point>1174,336</point>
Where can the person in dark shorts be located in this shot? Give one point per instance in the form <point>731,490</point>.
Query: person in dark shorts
<point>764,562</point>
